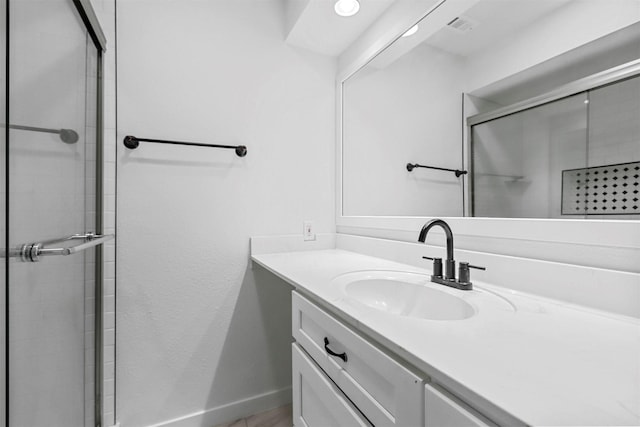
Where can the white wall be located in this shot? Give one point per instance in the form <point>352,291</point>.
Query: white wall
<point>197,327</point>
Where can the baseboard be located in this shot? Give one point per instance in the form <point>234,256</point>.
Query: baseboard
<point>232,411</point>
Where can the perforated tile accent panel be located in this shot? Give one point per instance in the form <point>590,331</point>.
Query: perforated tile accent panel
<point>602,190</point>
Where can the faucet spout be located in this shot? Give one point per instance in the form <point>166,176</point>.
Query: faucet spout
<point>450,263</point>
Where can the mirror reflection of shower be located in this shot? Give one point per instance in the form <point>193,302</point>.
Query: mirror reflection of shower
<point>411,102</point>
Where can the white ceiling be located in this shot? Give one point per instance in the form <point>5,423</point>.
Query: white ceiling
<point>314,25</point>
<point>496,20</point>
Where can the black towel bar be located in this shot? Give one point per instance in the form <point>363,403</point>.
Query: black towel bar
<point>132,142</point>
<point>458,172</point>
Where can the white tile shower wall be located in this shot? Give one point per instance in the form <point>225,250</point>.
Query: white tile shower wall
<point>200,334</point>
<point>106,12</point>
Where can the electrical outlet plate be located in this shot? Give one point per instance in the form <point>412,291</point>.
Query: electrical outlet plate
<point>307,231</point>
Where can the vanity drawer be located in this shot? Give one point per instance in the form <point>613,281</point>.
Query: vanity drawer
<point>317,400</point>
<point>387,393</point>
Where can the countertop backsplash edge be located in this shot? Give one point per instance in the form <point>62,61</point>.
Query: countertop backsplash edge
<point>611,291</point>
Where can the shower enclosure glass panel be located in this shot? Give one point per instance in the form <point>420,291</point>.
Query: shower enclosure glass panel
<point>578,157</point>
<point>52,128</point>
<point>518,159</point>
<point>614,143</point>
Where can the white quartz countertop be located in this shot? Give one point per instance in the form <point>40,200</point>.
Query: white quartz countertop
<point>541,361</point>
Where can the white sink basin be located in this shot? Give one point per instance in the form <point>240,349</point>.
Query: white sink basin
<point>405,294</point>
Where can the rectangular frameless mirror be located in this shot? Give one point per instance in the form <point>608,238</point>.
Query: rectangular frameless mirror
<point>512,109</point>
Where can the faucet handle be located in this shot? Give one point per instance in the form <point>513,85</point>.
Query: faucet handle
<point>463,272</point>
<point>437,266</point>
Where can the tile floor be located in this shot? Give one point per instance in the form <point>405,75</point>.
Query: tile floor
<point>279,417</point>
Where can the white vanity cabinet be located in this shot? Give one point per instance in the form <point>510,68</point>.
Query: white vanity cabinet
<point>318,402</point>
<point>442,410</point>
<point>384,391</point>
<point>342,379</point>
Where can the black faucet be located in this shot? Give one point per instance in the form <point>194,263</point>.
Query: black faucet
<point>450,266</point>
<point>449,279</point>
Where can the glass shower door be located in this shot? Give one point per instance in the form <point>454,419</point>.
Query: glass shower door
<point>575,157</point>
<point>51,198</point>
<point>518,159</point>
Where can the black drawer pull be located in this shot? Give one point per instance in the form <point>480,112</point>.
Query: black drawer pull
<point>342,356</point>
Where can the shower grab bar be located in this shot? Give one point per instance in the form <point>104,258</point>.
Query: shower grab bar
<point>68,136</point>
<point>132,142</point>
<point>31,252</point>
<point>458,172</point>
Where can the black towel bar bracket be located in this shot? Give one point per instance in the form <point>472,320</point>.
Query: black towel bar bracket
<point>133,142</point>
<point>458,172</point>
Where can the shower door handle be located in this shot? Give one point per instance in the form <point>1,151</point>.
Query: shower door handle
<point>31,252</point>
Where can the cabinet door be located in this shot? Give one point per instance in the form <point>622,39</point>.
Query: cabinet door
<point>317,402</point>
<point>442,410</point>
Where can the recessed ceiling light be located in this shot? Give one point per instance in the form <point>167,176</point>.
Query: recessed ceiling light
<point>411,31</point>
<point>347,7</point>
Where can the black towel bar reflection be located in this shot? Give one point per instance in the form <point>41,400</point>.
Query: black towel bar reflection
<point>132,142</point>
<point>68,136</point>
<point>458,172</point>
